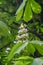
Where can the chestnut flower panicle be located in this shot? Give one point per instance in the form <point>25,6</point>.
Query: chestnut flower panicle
<point>22,34</point>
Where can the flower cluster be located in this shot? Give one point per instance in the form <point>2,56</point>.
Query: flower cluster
<point>22,34</point>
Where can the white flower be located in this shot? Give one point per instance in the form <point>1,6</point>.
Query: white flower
<point>8,49</point>
<point>26,34</point>
<point>23,35</point>
<point>25,25</point>
<point>21,26</point>
<point>22,30</point>
<point>15,41</point>
<point>19,41</point>
<point>9,31</point>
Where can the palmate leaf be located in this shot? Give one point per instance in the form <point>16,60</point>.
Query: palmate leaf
<point>20,46</point>
<point>35,7</point>
<point>28,12</point>
<point>37,61</point>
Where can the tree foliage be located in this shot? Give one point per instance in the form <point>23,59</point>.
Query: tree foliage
<point>21,32</point>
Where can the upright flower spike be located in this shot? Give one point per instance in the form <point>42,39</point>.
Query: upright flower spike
<point>22,34</point>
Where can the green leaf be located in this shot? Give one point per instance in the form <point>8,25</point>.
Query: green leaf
<point>4,41</point>
<point>20,11</point>
<point>35,7</point>
<point>30,49</point>
<point>36,42</point>
<point>23,60</point>
<point>4,30</point>
<point>41,29</point>
<point>21,6</point>
<point>16,49</point>
<point>28,13</point>
<point>39,48</point>
<point>37,61</point>
<point>22,47</point>
<point>19,15</point>
<point>19,63</point>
